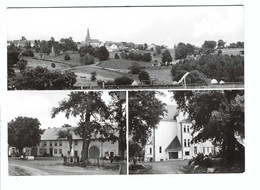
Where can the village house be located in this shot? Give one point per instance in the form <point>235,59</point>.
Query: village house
<point>172,139</point>
<point>52,145</point>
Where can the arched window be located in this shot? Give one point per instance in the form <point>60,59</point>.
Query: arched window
<point>160,149</point>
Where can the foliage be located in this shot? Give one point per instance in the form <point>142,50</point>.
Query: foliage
<point>68,44</point>
<point>117,56</point>
<point>209,46</point>
<point>218,116</point>
<point>12,58</point>
<point>87,59</point>
<point>218,66</point>
<point>166,56</point>
<point>66,134</point>
<point>93,76</point>
<point>144,77</point>
<point>101,53</point>
<point>93,114</point>
<point>221,44</point>
<point>67,57</point>
<point>182,50</point>
<point>135,149</point>
<point>135,69</point>
<point>40,78</point>
<point>123,81</point>
<point>145,112</point>
<point>53,65</point>
<point>22,63</point>
<point>24,132</point>
<point>45,48</point>
<point>28,53</point>
<point>146,57</point>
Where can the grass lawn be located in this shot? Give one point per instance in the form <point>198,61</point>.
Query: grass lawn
<point>162,75</point>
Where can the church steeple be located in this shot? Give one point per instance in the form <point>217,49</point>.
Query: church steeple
<point>87,40</point>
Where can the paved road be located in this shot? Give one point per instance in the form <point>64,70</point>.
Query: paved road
<point>166,167</point>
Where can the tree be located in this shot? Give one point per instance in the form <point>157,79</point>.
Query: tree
<point>87,59</point>
<point>180,51</point>
<point>44,48</point>
<point>66,134</point>
<point>117,56</point>
<point>93,76</point>
<point>66,57</point>
<point>135,149</point>
<point>123,81</point>
<point>40,78</point>
<point>102,54</point>
<point>12,58</point>
<point>166,56</point>
<point>144,77</point>
<point>22,63</point>
<point>118,110</point>
<point>145,112</point>
<point>218,116</point>
<point>24,132</point>
<point>93,114</point>
<point>209,46</point>
<point>68,44</point>
<point>146,57</point>
<point>221,44</point>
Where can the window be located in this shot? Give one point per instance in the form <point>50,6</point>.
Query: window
<point>50,143</point>
<point>150,150</point>
<point>75,153</point>
<point>60,143</point>
<point>55,143</point>
<point>60,151</point>
<point>76,142</point>
<point>188,142</point>
<point>187,153</point>
<point>185,143</point>
<point>212,150</point>
<point>184,129</point>
<point>160,149</point>
<point>207,149</point>
<point>188,129</point>
<point>40,151</point>
<point>204,150</point>
<point>44,143</point>
<point>195,150</point>
<point>55,151</point>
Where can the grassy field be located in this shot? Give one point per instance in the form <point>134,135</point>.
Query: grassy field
<point>162,76</point>
<point>122,63</point>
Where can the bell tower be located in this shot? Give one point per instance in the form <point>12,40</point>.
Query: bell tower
<point>87,39</point>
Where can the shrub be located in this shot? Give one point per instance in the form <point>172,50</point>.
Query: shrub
<point>53,65</point>
<point>144,77</point>
<point>123,81</point>
<point>87,59</point>
<point>28,53</point>
<point>66,57</point>
<point>135,69</point>
<point>22,64</point>
<point>117,56</point>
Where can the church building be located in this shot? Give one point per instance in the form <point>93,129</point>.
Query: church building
<point>172,139</point>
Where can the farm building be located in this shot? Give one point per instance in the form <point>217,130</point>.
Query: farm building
<point>172,139</point>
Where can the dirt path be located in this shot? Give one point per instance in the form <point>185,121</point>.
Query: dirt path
<point>166,167</point>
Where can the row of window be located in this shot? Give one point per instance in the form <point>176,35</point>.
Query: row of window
<point>208,150</point>
<point>186,128</point>
<point>45,151</point>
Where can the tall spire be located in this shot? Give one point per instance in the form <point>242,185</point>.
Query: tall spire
<point>88,36</point>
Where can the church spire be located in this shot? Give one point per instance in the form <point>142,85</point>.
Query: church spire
<point>88,36</point>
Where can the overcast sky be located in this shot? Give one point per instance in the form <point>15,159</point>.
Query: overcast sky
<point>39,105</point>
<point>159,25</point>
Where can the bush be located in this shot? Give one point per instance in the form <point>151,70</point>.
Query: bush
<point>123,81</point>
<point>22,64</point>
<point>87,60</point>
<point>28,53</point>
<point>144,77</point>
<point>135,69</point>
<point>53,65</point>
<point>117,56</point>
<point>66,57</point>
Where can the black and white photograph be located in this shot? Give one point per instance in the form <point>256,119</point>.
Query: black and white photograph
<point>67,133</point>
<point>186,132</point>
<point>125,47</point>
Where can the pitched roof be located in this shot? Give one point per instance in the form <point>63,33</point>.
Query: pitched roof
<point>52,133</point>
<point>175,145</point>
<point>172,112</point>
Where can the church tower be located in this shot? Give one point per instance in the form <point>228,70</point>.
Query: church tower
<point>88,39</point>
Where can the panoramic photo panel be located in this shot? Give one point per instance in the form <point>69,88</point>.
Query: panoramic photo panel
<point>186,132</point>
<point>67,133</point>
<point>112,48</point>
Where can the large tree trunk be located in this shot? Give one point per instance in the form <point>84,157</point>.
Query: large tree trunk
<point>86,136</point>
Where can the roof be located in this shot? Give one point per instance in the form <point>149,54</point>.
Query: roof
<point>52,134</point>
<point>185,121</point>
<point>172,112</point>
<point>175,145</point>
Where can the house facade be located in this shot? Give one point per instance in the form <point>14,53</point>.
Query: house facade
<point>52,145</point>
<point>172,139</point>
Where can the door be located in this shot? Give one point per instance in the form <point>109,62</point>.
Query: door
<point>173,155</point>
<point>51,151</point>
<point>93,152</point>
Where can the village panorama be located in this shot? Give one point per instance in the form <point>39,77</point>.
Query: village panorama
<point>92,64</point>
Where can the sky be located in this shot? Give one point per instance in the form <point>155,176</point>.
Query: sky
<point>159,25</point>
<point>38,104</point>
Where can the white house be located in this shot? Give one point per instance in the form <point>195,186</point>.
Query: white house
<point>57,147</point>
<point>172,139</point>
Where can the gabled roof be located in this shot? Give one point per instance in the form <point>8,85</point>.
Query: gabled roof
<point>175,145</point>
<point>172,112</point>
<point>52,133</point>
